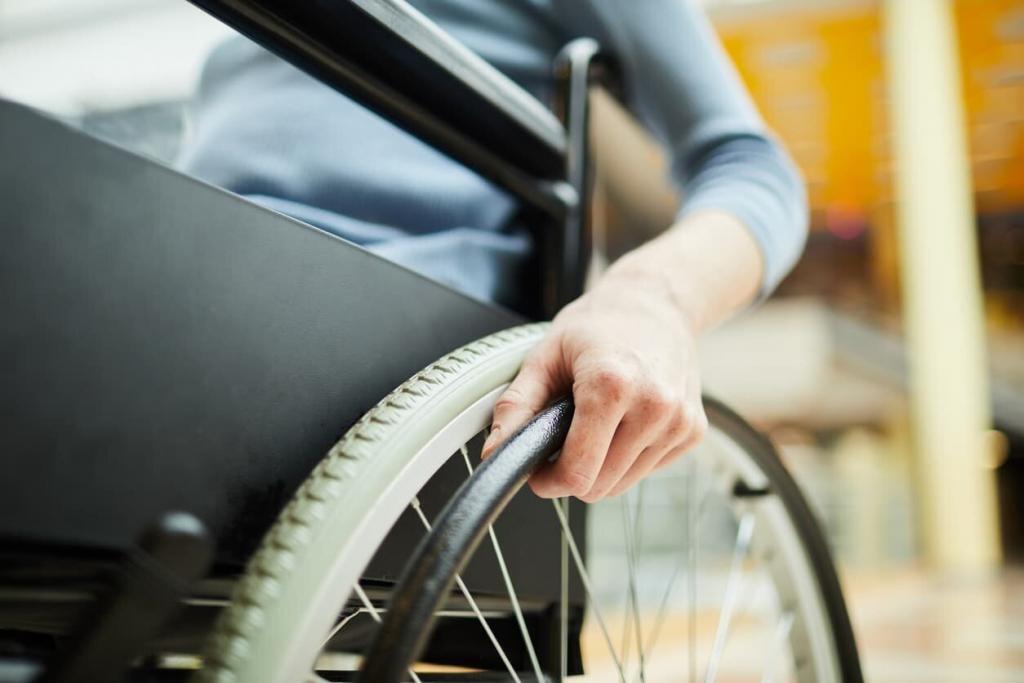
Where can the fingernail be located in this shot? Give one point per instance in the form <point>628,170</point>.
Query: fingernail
<point>490,442</point>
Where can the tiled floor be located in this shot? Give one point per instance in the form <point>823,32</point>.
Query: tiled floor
<point>915,627</point>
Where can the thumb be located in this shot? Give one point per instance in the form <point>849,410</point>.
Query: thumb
<point>529,392</point>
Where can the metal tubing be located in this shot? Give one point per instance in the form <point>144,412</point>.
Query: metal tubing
<point>392,59</point>
<point>575,69</point>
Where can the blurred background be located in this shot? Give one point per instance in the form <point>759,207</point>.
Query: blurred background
<point>889,367</point>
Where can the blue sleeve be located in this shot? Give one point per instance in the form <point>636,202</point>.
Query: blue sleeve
<point>682,86</point>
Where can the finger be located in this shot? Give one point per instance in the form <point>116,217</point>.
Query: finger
<point>697,422</point>
<point>656,416</point>
<point>642,466</point>
<point>671,433</point>
<point>529,392</point>
<point>600,405</point>
<point>640,429</point>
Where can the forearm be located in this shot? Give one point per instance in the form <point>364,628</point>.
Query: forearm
<point>707,267</point>
<point>753,179</point>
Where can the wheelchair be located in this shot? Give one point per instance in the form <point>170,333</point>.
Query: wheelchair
<point>177,360</point>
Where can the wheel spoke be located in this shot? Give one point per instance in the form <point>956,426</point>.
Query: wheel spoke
<point>732,586</point>
<point>627,629</point>
<point>634,599</point>
<point>659,619</point>
<point>415,504</point>
<point>691,554</point>
<point>375,615</point>
<point>637,550</point>
<point>516,607</point>
<point>563,604</point>
<point>342,624</point>
<point>782,630</point>
<point>642,624</point>
<point>587,586</point>
<point>627,626</point>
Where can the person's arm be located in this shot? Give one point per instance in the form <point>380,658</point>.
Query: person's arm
<point>627,349</point>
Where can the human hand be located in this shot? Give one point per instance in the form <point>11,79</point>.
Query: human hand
<point>627,353</point>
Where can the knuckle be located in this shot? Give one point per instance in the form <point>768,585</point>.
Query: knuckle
<point>541,490</point>
<point>511,399</point>
<point>656,401</point>
<point>613,384</point>
<point>590,402</point>
<point>678,428</point>
<point>613,378</point>
<point>575,482</point>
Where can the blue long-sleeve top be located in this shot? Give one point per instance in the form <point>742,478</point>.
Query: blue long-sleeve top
<point>265,130</point>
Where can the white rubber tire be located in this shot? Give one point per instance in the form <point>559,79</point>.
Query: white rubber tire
<point>301,576</point>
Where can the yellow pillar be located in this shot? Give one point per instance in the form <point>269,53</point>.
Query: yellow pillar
<point>942,298</point>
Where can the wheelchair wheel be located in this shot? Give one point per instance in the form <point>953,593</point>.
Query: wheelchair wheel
<point>711,569</point>
<point>713,566</point>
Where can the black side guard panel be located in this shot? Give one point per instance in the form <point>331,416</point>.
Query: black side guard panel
<point>166,345</point>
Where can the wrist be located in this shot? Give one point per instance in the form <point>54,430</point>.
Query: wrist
<point>707,265</point>
<point>657,274</point>
<point>641,280</point>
